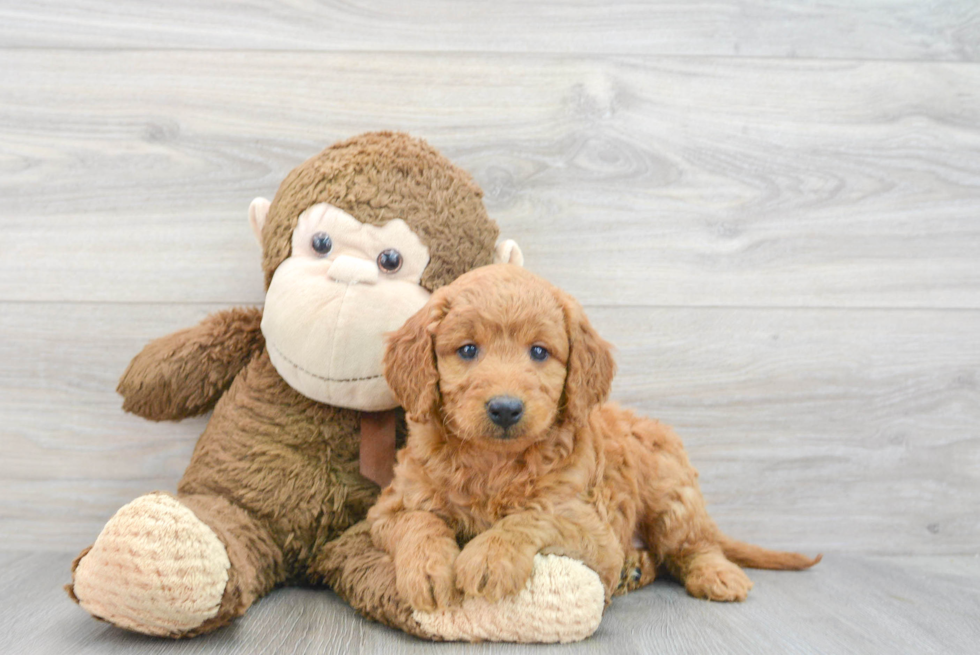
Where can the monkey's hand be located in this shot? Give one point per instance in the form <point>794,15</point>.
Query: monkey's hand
<point>183,374</point>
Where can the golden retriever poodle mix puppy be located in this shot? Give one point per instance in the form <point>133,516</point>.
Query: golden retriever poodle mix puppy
<point>513,451</point>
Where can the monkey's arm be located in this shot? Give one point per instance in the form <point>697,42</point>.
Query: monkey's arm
<point>183,374</point>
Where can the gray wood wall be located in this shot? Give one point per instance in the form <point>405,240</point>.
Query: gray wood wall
<point>771,208</point>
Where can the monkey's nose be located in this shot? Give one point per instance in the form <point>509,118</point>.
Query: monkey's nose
<point>505,411</point>
<point>353,270</point>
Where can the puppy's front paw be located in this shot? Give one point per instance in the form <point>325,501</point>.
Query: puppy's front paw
<point>717,579</point>
<point>426,581</point>
<point>492,567</point>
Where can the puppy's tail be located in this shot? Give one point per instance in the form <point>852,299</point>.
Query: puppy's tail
<point>757,557</point>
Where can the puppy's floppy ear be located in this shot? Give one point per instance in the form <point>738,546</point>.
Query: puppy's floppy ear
<point>590,366</point>
<point>410,359</point>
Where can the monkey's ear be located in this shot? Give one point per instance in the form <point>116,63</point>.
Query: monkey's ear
<point>257,213</point>
<point>410,359</point>
<point>508,252</point>
<point>590,367</point>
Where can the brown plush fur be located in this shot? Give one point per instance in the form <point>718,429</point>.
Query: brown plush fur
<point>413,182</point>
<point>275,475</point>
<point>185,373</point>
<point>573,475</point>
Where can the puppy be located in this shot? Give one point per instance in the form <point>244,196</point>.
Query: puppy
<point>512,451</point>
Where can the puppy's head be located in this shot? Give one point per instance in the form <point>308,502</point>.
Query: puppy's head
<point>501,356</point>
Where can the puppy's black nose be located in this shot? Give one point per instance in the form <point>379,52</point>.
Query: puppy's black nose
<point>505,411</point>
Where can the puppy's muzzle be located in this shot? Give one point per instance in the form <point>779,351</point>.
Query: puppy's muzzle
<point>505,411</point>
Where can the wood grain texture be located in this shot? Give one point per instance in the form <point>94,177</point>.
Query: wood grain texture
<point>637,181</point>
<point>870,29</point>
<point>845,605</point>
<point>771,207</point>
<point>843,431</point>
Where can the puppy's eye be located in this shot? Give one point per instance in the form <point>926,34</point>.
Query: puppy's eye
<point>468,351</point>
<point>539,353</point>
<point>390,260</point>
<point>321,243</point>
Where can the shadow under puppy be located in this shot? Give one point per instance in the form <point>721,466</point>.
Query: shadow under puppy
<point>512,451</point>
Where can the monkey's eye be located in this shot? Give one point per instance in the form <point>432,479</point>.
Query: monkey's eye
<point>390,260</point>
<point>539,353</point>
<point>468,351</point>
<point>321,243</point>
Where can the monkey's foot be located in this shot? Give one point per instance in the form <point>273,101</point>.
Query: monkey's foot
<point>561,602</point>
<point>155,568</point>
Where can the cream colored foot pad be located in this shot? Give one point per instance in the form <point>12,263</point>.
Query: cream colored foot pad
<point>562,602</point>
<point>156,568</point>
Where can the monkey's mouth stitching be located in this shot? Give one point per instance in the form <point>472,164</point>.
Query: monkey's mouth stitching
<point>321,377</point>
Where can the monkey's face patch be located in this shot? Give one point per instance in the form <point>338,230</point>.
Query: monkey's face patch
<point>329,304</point>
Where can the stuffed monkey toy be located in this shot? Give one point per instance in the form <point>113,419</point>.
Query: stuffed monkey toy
<point>303,427</point>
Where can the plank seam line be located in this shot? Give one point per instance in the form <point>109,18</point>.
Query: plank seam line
<point>502,53</point>
<point>603,306</point>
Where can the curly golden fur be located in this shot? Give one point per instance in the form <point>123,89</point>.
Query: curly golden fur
<point>569,474</point>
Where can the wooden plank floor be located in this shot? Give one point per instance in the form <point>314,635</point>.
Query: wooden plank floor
<point>806,424</point>
<point>881,29</point>
<point>772,208</point>
<point>846,604</point>
<point>629,181</point>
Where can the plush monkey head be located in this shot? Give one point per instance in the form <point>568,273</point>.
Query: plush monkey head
<point>353,244</point>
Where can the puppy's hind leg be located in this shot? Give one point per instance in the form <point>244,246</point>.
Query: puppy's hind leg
<point>710,575</point>
<point>685,539</point>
